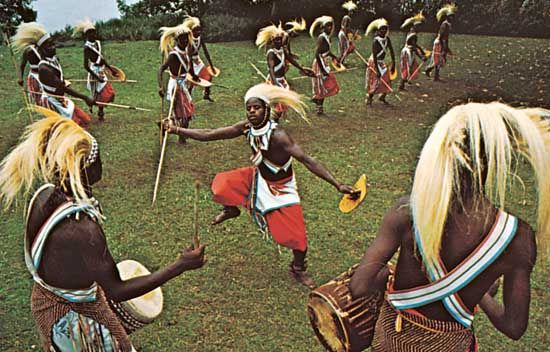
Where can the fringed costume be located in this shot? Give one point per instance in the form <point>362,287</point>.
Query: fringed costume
<point>408,62</point>
<point>375,84</point>
<point>441,43</point>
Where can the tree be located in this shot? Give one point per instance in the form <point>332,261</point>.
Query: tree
<point>13,12</point>
<point>151,8</point>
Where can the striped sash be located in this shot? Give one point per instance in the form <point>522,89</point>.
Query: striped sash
<point>445,285</point>
<point>33,254</point>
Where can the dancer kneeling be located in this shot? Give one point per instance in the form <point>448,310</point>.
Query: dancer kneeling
<point>454,237</point>
<point>267,189</point>
<point>65,246</point>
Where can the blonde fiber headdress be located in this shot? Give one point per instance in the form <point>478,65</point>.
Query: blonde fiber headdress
<point>417,19</point>
<point>30,33</point>
<point>320,21</point>
<point>53,148</point>
<point>296,26</point>
<point>376,25</point>
<point>191,22</point>
<point>266,34</point>
<point>272,95</point>
<point>349,5</point>
<point>449,9</point>
<point>169,35</point>
<point>83,26</point>
<point>480,139</point>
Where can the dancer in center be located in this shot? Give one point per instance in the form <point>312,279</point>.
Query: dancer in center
<point>267,189</point>
<point>378,75</point>
<point>409,65</point>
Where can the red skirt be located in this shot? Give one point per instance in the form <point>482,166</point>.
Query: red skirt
<point>205,74</point>
<point>34,86</point>
<point>324,87</point>
<point>279,108</point>
<point>438,56</point>
<point>183,106</point>
<point>81,117</point>
<point>375,84</point>
<point>286,225</point>
<point>409,70</point>
<point>107,94</point>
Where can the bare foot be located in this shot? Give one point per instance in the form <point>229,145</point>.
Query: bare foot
<point>225,214</point>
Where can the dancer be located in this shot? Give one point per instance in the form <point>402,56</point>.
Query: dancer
<point>346,37</point>
<point>267,189</point>
<point>65,247</point>
<point>293,30</point>
<point>441,43</point>
<point>324,84</point>
<point>409,65</point>
<point>95,64</point>
<point>377,74</point>
<point>454,236</point>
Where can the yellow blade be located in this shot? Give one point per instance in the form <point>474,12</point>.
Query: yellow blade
<point>347,204</point>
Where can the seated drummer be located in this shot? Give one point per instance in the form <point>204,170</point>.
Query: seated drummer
<point>454,237</point>
<point>65,248</point>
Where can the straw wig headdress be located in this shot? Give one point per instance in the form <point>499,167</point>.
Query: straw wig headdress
<point>169,35</point>
<point>485,141</point>
<point>376,25</point>
<point>30,33</point>
<point>191,22</point>
<point>273,95</point>
<point>296,26</point>
<point>267,34</point>
<point>53,149</point>
<point>417,19</point>
<point>83,26</point>
<point>449,9</point>
<point>349,5</point>
<point>320,21</point>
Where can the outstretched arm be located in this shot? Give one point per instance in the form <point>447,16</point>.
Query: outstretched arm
<point>99,261</point>
<point>204,135</point>
<point>312,165</point>
<point>372,274</point>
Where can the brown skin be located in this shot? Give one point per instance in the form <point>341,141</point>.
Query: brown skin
<point>197,32</point>
<point>174,65</point>
<point>76,252</point>
<point>323,47</point>
<point>28,57</point>
<point>281,147</point>
<point>91,56</point>
<point>376,48</point>
<point>48,75</point>
<point>465,229</point>
<point>273,61</point>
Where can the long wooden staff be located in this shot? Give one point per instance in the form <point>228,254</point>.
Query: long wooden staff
<point>196,240</point>
<point>128,107</point>
<point>163,149</point>
<point>111,80</point>
<point>258,71</point>
<point>335,72</point>
<point>417,69</point>
<point>12,54</point>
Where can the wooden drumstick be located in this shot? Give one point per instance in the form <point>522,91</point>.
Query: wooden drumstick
<point>196,240</point>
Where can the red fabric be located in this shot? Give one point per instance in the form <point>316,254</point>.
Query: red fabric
<point>107,94</point>
<point>439,58</point>
<point>405,69</point>
<point>286,225</point>
<point>34,86</point>
<point>324,87</point>
<point>183,106</point>
<point>80,117</point>
<point>374,84</point>
<point>204,74</point>
<point>279,108</point>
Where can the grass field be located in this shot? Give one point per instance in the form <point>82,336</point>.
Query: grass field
<point>244,298</point>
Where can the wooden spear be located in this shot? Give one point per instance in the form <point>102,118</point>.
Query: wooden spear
<point>97,102</point>
<point>196,240</point>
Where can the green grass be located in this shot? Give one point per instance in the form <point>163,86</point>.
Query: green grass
<point>244,299</point>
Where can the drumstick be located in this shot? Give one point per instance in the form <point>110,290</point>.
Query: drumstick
<point>417,69</point>
<point>161,117</point>
<point>258,71</point>
<point>304,77</point>
<point>196,241</point>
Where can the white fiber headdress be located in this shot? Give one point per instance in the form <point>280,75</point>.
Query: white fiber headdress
<point>30,33</point>
<point>297,26</point>
<point>449,9</point>
<point>485,141</point>
<point>169,35</point>
<point>417,19</point>
<point>376,25</point>
<point>272,95</point>
<point>322,22</point>
<point>349,5</point>
<point>267,34</point>
<point>191,22</point>
<point>83,26</point>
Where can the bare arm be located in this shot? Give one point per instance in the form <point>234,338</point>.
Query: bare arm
<point>372,273</point>
<point>100,263</point>
<point>271,67</point>
<point>87,58</point>
<point>205,135</point>
<point>320,42</point>
<point>511,318</point>
<point>51,79</point>
<point>160,71</point>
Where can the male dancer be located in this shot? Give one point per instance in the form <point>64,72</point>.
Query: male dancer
<point>346,42</point>
<point>174,44</point>
<point>293,30</point>
<point>276,57</point>
<point>454,237</point>
<point>441,43</point>
<point>204,72</point>
<point>65,247</point>
<point>377,74</point>
<point>267,189</point>
<point>324,84</point>
<point>409,65</point>
<point>95,64</point>
<point>26,39</point>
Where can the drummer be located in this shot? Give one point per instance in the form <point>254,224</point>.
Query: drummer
<point>94,63</point>
<point>174,44</point>
<point>65,247</point>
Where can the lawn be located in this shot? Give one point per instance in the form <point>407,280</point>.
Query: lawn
<point>244,298</point>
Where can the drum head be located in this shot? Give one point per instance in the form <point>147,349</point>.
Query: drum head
<point>121,76</point>
<point>326,324</point>
<point>147,307</point>
<point>347,204</point>
<point>201,82</point>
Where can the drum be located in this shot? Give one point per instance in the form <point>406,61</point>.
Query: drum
<point>139,311</point>
<point>121,76</point>
<point>340,323</point>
